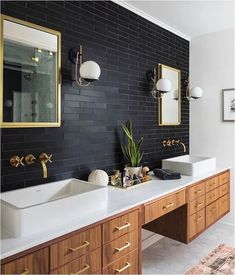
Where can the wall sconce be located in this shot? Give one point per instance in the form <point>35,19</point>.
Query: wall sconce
<point>195,92</point>
<point>89,71</point>
<point>160,86</point>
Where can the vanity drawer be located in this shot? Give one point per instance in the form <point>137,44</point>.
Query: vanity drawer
<point>125,265</point>
<point>224,178</point>
<point>34,263</point>
<point>87,264</point>
<point>212,196</point>
<point>119,226</point>
<point>120,247</point>
<point>197,190</point>
<point>223,189</point>
<point>223,205</point>
<point>74,247</point>
<point>212,213</point>
<point>197,205</point>
<point>212,184</point>
<point>163,206</point>
<point>197,223</point>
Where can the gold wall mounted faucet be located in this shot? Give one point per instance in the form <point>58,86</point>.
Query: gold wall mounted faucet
<point>16,161</point>
<point>177,142</point>
<point>173,142</point>
<point>44,158</point>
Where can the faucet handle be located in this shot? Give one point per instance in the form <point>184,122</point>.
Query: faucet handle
<point>16,161</point>
<point>30,159</point>
<point>45,158</point>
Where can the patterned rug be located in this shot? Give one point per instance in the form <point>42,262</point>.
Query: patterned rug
<point>220,261</point>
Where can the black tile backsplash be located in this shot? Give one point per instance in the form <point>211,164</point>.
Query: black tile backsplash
<point>125,46</point>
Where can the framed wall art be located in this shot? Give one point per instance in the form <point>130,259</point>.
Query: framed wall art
<point>229,104</point>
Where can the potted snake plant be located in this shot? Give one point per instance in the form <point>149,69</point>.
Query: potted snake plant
<point>131,150</point>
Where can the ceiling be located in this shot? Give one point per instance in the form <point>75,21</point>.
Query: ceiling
<point>186,18</point>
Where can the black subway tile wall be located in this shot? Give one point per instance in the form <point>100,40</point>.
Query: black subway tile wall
<point>125,46</point>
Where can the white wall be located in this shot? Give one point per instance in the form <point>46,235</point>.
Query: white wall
<point>212,59</point>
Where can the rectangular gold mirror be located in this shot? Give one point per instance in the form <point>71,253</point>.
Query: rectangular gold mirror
<point>30,75</point>
<point>169,104</point>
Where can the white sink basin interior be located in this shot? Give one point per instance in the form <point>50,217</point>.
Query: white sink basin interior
<point>190,165</point>
<point>39,208</point>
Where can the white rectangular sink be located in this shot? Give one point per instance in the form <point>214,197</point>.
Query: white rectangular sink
<point>190,165</point>
<point>36,209</point>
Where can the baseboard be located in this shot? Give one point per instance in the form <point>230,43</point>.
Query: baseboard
<point>150,241</point>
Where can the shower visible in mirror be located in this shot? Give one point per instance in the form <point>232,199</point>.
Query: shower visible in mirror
<point>30,93</point>
<point>169,107</point>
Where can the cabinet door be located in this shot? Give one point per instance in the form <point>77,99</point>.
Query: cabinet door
<point>75,246</point>
<point>224,205</point>
<point>87,264</point>
<point>163,206</point>
<point>212,213</point>
<point>34,263</point>
<point>197,223</point>
<point>125,265</point>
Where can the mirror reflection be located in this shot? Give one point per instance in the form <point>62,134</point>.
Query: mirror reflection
<point>30,75</point>
<point>170,103</point>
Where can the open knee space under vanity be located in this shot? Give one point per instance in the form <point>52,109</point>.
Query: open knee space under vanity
<point>112,245</point>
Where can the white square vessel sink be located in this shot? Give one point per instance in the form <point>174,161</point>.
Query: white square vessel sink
<point>36,209</point>
<point>190,165</point>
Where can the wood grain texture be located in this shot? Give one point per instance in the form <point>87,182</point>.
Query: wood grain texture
<point>223,205</point>
<point>35,263</point>
<point>197,190</point>
<point>224,178</point>
<point>110,231</point>
<point>130,258</point>
<point>172,225</point>
<point>110,253</point>
<point>212,183</point>
<point>212,213</point>
<point>163,206</point>
<point>212,196</point>
<point>223,189</point>
<point>197,204</point>
<point>197,223</point>
<point>90,263</point>
<point>60,252</point>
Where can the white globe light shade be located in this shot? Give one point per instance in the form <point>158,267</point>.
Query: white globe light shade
<point>163,85</point>
<point>196,92</point>
<point>99,177</point>
<point>90,71</point>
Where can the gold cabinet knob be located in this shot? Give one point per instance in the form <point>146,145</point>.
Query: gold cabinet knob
<point>30,159</point>
<point>45,158</point>
<point>15,161</point>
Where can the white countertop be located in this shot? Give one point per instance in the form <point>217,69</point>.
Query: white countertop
<point>119,200</point>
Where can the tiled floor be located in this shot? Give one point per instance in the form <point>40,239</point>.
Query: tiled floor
<point>171,257</point>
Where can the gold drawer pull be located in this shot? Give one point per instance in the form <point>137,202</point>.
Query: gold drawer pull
<point>122,227</point>
<point>212,209</point>
<point>86,243</point>
<point>26,271</point>
<point>124,268</point>
<point>168,205</point>
<point>124,247</point>
<point>86,266</point>
<point>198,205</point>
<point>197,220</point>
<point>199,191</point>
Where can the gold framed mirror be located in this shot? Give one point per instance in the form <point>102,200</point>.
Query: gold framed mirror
<point>30,91</point>
<point>169,104</point>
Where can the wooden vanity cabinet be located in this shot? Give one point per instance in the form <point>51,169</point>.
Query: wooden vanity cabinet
<point>113,245</point>
<point>33,263</point>
<point>209,205</point>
